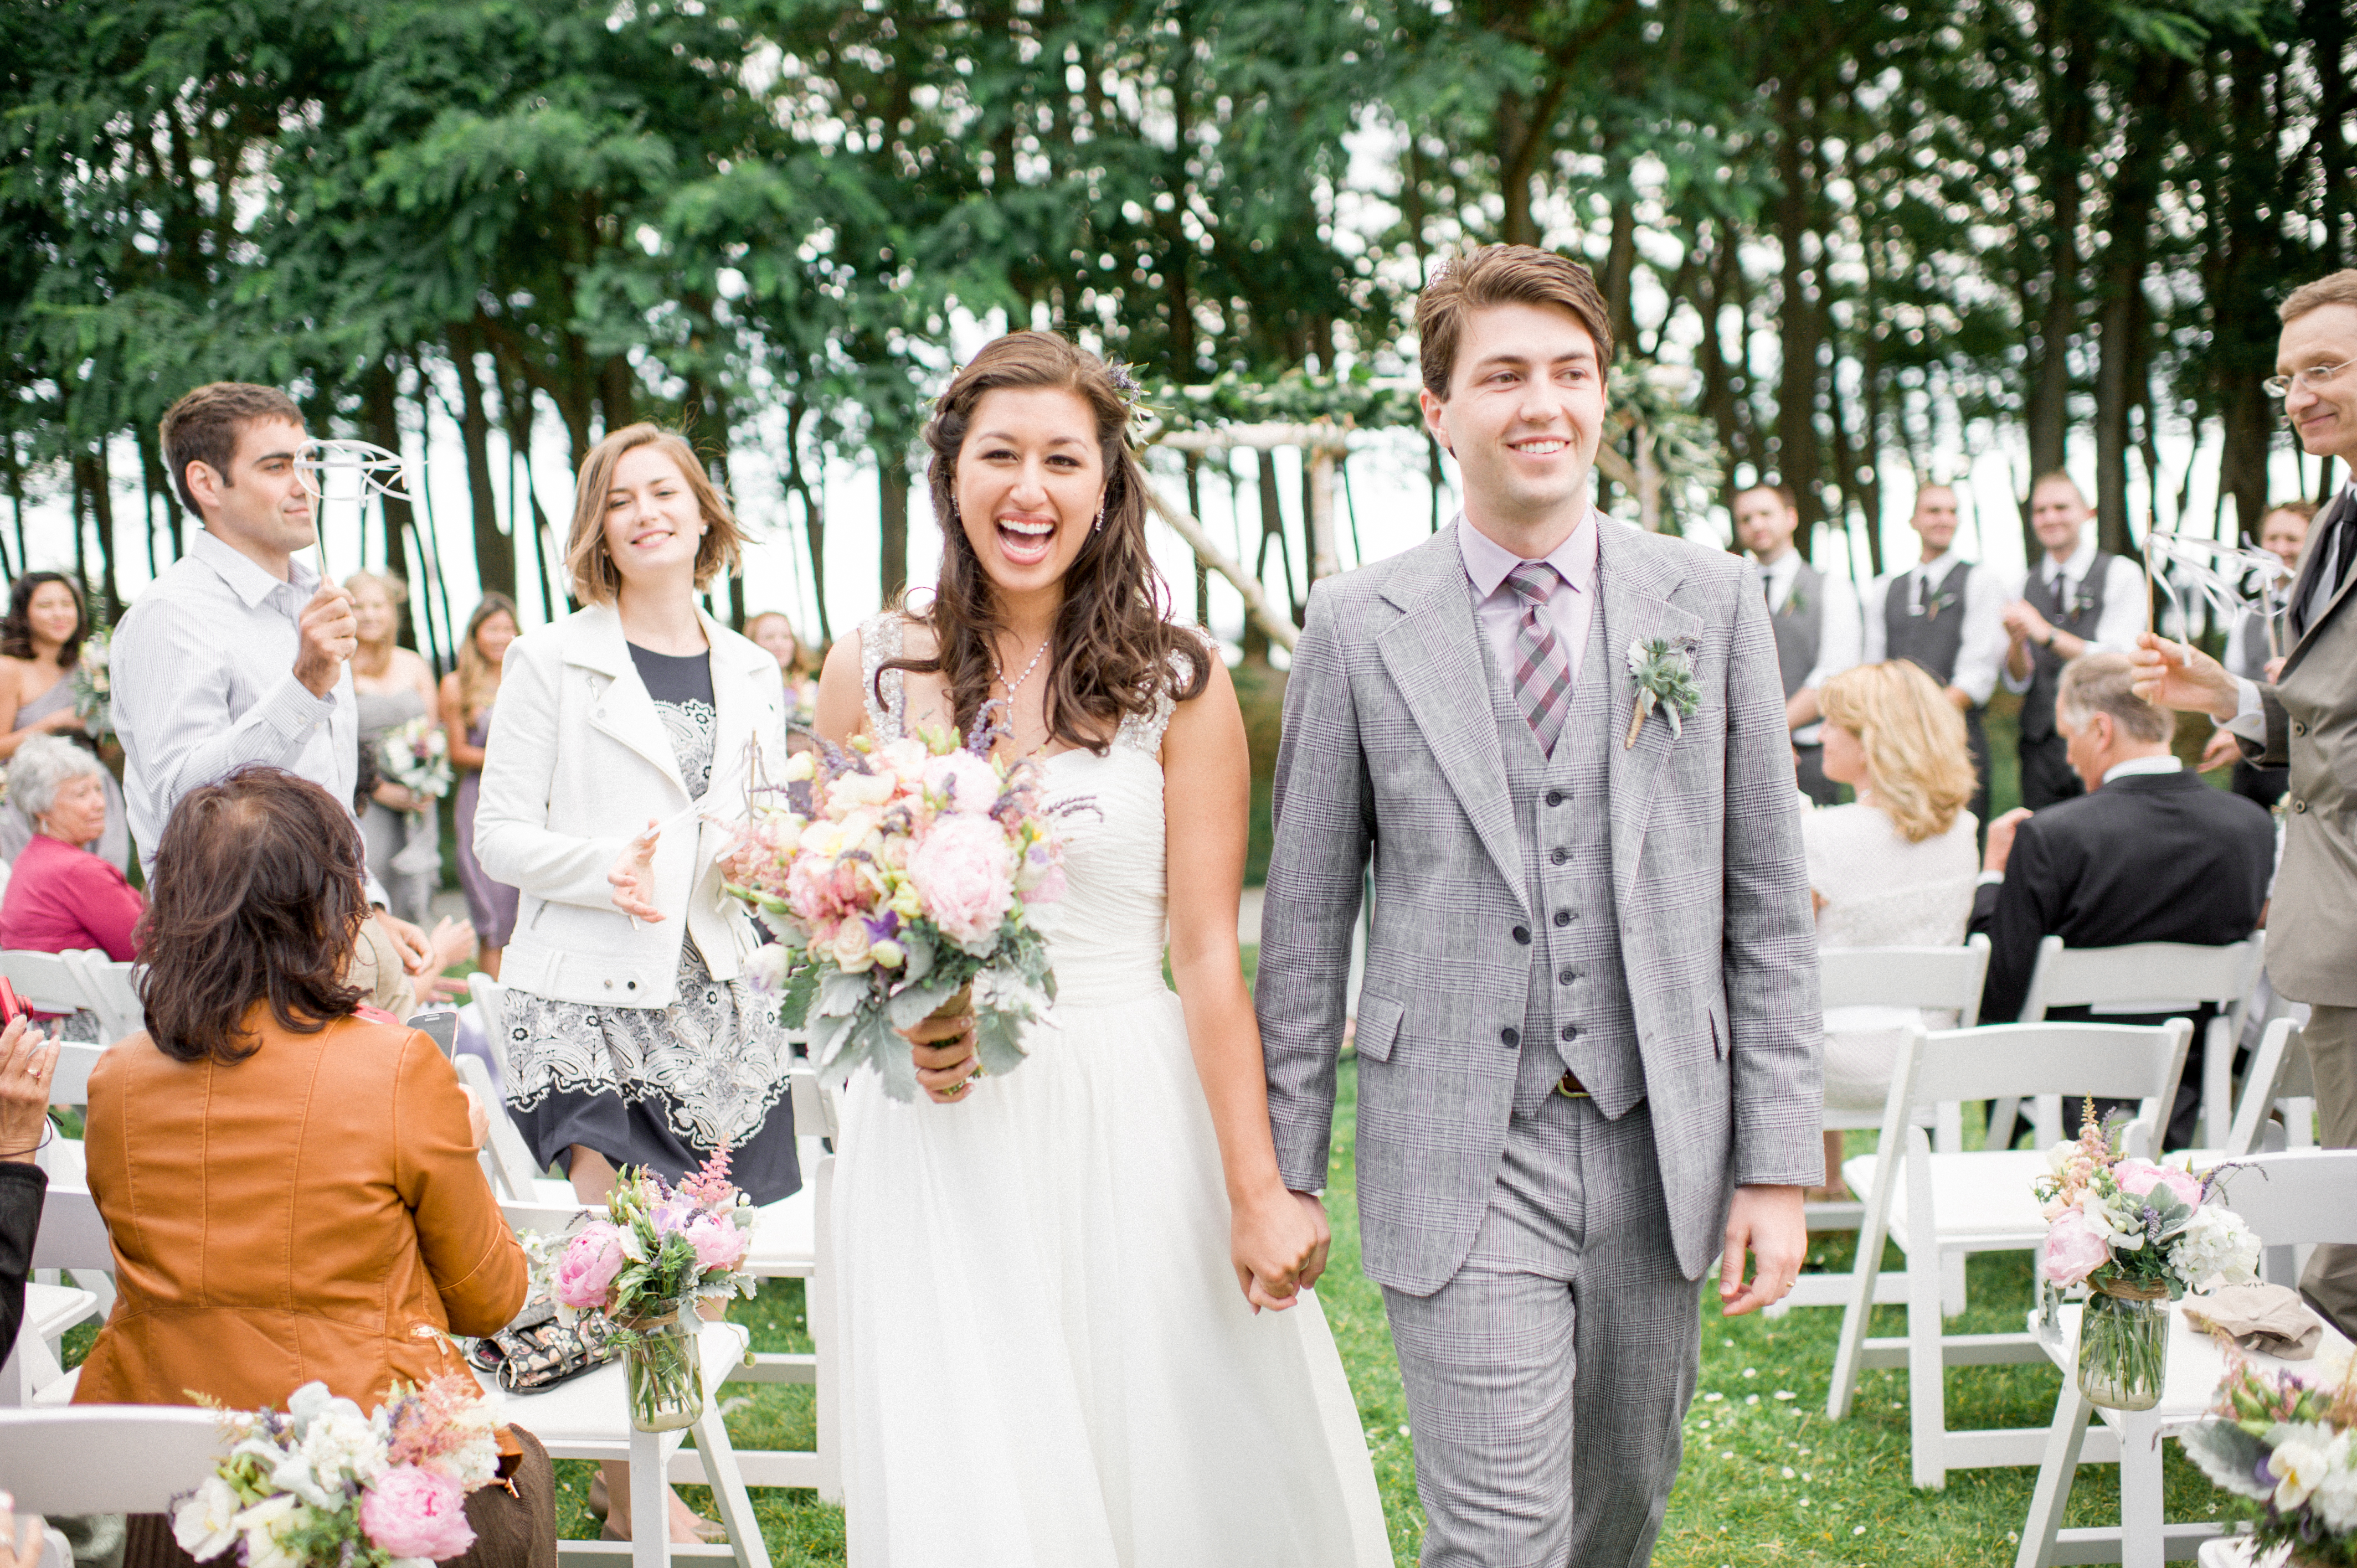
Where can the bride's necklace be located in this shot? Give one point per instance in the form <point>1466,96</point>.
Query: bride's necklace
<point>1000,670</point>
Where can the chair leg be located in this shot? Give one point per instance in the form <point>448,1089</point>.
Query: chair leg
<point>727,1484</point>
<point>2001,1116</point>
<point>1927,1411</point>
<point>1951,1285</point>
<point>649,1502</point>
<point>2142,1539</point>
<point>2056,1472</point>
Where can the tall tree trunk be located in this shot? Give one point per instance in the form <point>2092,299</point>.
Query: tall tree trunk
<point>495,564</point>
<point>381,423</point>
<point>101,512</point>
<point>80,478</point>
<point>1271,532</point>
<point>2123,314</point>
<point>16,500</point>
<point>813,517</point>
<point>1619,273</point>
<point>1800,315</point>
<point>2069,111</point>
<point>892,523</point>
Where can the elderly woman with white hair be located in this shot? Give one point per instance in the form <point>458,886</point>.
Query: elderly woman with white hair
<point>61,897</point>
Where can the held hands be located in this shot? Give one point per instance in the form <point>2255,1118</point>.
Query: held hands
<point>633,875</point>
<point>2022,620</point>
<point>331,633</point>
<point>2168,675</point>
<point>1278,1243</point>
<point>416,954</point>
<point>451,942</point>
<point>1768,1221</point>
<point>946,1056</point>
<point>28,1063</point>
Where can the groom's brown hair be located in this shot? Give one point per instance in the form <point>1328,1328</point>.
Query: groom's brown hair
<point>1503,274</point>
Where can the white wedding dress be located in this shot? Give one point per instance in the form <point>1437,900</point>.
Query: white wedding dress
<point>1046,1361</point>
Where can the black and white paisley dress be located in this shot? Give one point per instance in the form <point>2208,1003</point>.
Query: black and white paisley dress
<point>661,1086</point>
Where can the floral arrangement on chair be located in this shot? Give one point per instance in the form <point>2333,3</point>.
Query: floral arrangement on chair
<point>659,1252</point>
<point>898,891</point>
<point>2137,1234</point>
<point>417,755</point>
<point>323,1486</point>
<point>2288,1443</point>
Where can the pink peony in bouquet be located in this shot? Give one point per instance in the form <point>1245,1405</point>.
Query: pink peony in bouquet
<point>898,878</point>
<point>659,1246</point>
<point>323,1486</point>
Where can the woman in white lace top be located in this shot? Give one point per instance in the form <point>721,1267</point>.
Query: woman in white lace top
<point>1895,869</point>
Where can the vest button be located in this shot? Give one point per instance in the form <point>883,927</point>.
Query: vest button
<point>1563,916</point>
<point>610,985</point>
<point>2298,726</point>
<point>1566,975</point>
<point>2300,806</point>
<point>1554,797</point>
<point>1571,1031</point>
<point>629,986</point>
<point>1558,856</point>
<point>1522,935</point>
<point>1510,1039</point>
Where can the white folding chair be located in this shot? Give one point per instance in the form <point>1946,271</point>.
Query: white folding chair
<point>72,1237</point>
<point>2143,978</point>
<point>588,1418</point>
<point>795,1241</point>
<point>2290,1199</point>
<point>47,982</point>
<point>1977,1202</point>
<point>2279,1080</point>
<point>1930,980</point>
<point>113,993</point>
<point>507,1159</point>
<point>490,999</point>
<point>106,1458</point>
<point>65,1160</point>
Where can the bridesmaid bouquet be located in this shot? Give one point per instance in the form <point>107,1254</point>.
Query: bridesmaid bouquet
<point>323,1486</point>
<point>417,755</point>
<point>93,685</point>
<point>2288,1445</point>
<point>898,879</point>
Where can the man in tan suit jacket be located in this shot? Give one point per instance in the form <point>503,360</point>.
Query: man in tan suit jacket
<point>2307,721</point>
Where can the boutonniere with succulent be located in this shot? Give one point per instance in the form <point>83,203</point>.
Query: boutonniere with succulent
<point>1665,678</point>
<point>1797,602</point>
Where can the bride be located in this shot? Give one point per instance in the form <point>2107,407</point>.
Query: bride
<point>1073,1298</point>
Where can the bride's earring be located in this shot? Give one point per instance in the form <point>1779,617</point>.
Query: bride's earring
<point>1098,527</point>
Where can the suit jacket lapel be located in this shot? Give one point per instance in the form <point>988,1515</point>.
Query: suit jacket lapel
<point>2308,573</point>
<point>1436,657</point>
<point>623,709</point>
<point>1635,582</point>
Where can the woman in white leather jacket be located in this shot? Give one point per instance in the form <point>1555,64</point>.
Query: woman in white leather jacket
<point>631,1035</point>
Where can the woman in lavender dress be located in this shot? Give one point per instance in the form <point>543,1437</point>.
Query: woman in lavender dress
<point>466,695</point>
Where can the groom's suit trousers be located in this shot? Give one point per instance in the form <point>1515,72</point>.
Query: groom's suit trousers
<point>1547,1379</point>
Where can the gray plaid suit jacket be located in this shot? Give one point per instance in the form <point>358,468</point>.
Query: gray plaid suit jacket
<point>1390,749</point>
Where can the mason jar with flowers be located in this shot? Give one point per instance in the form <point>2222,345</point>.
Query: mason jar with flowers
<point>2139,1234</point>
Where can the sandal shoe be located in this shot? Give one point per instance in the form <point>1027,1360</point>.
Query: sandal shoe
<point>711,1533</point>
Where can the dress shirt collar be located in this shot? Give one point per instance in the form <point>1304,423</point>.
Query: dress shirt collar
<point>2134,766</point>
<point>1487,562</point>
<point>1779,573</point>
<point>1937,566</point>
<point>248,581</point>
<point>2076,568</point>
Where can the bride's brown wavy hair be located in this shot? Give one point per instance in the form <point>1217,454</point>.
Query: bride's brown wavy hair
<point>1113,648</point>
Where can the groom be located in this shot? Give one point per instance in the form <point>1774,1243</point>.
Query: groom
<point>1588,1034</point>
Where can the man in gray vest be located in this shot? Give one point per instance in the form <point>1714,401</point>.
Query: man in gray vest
<point>1588,1037</point>
<point>1943,615</point>
<point>2076,598</point>
<point>2306,719</point>
<point>1816,623</point>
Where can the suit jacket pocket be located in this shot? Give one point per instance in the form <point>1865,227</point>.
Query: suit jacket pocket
<point>1719,1031</point>
<point>1379,1023</point>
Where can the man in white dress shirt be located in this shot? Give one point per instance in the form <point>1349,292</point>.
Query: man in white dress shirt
<point>2077,598</point>
<point>1815,617</point>
<point>1943,614</point>
<point>238,653</point>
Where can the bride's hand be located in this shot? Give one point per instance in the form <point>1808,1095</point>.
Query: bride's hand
<point>1278,1244</point>
<point>943,1050</point>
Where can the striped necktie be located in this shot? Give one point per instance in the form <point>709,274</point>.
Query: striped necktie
<point>1542,668</point>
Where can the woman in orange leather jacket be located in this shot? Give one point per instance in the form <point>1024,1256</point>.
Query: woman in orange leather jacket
<point>292,1191</point>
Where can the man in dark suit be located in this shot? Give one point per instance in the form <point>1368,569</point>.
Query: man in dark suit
<point>2149,854</point>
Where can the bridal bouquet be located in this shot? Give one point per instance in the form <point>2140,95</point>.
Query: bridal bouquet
<point>2138,1235</point>
<point>417,755</point>
<point>2288,1444</point>
<point>93,686</point>
<point>323,1486</point>
<point>899,891</point>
